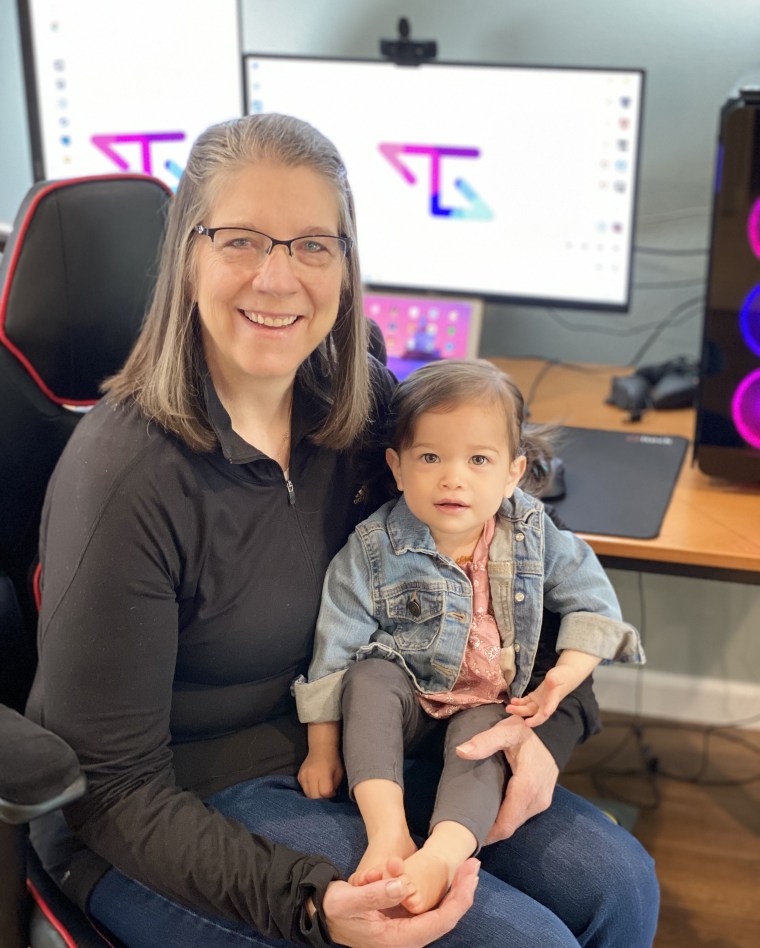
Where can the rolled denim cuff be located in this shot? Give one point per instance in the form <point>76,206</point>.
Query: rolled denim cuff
<point>318,701</point>
<point>609,639</point>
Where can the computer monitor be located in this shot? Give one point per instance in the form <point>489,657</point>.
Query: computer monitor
<point>504,182</point>
<point>126,86</point>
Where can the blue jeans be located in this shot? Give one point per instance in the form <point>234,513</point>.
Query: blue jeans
<point>569,876</point>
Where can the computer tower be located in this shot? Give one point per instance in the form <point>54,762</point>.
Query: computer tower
<point>727,438</point>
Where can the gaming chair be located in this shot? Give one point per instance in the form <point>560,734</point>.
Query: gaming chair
<point>77,272</point>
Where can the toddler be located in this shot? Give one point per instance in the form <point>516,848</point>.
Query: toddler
<point>431,616</point>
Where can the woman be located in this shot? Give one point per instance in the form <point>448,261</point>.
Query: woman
<point>185,536</point>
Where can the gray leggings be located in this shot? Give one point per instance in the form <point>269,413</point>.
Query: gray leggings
<point>383,718</point>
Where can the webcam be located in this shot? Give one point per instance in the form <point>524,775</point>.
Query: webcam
<point>405,51</point>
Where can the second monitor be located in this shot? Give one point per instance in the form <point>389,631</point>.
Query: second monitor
<point>420,329</point>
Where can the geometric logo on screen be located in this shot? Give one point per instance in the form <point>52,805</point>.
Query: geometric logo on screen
<point>475,207</point>
<point>745,403</point>
<point>144,142</point>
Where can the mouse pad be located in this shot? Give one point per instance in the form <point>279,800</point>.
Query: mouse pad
<point>617,482</point>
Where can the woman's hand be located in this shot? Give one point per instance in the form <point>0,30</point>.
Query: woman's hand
<point>370,916</point>
<point>534,772</point>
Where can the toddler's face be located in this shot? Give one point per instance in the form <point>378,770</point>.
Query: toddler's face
<point>456,472</point>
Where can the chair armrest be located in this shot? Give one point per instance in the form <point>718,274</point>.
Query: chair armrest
<point>39,772</point>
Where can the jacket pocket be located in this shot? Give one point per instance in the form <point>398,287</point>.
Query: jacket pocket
<point>416,616</point>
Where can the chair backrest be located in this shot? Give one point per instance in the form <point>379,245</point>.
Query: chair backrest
<point>76,275</point>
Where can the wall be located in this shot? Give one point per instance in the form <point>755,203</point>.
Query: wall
<point>694,53</point>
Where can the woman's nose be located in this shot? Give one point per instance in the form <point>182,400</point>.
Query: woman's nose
<point>277,273</point>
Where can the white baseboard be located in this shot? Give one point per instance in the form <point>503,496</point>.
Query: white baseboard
<point>656,694</point>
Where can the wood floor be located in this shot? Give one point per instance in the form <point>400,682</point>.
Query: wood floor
<point>694,798</point>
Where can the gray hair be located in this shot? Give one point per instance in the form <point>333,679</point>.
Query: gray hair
<point>163,373</point>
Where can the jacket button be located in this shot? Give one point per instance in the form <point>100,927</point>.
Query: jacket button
<point>517,647</point>
<point>519,597</point>
<point>519,536</point>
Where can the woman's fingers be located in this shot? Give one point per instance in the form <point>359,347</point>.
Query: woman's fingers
<point>369,916</point>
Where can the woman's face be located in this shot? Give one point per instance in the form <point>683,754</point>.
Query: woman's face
<point>263,323</point>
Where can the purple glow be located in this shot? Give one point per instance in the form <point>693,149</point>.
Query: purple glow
<point>749,320</point>
<point>476,208</point>
<point>143,139</point>
<point>745,408</point>
<point>753,228</point>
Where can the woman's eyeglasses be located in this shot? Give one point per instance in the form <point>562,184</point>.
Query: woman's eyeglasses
<point>248,249</point>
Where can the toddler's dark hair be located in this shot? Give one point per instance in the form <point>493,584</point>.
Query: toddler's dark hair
<point>449,383</point>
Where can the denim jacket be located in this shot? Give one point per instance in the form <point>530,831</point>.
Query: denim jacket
<point>389,593</point>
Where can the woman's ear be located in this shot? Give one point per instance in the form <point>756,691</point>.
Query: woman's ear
<point>394,463</point>
<point>516,472</point>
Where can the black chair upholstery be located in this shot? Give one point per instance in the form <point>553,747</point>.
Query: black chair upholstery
<point>77,272</point>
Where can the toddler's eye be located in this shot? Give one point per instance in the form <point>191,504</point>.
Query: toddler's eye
<point>479,459</point>
<point>429,458</point>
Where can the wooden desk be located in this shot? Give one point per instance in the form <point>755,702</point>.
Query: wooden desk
<point>711,527</point>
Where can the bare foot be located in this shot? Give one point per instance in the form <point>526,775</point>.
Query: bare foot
<point>381,848</point>
<point>429,874</point>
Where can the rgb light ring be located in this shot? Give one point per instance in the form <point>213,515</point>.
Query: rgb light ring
<point>745,408</point>
<point>745,402</point>
<point>749,320</point>
<point>753,228</point>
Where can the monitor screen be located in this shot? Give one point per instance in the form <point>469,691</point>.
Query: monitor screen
<point>126,86</point>
<point>505,182</point>
<point>424,328</point>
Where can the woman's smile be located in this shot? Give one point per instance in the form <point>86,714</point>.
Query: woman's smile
<point>272,320</point>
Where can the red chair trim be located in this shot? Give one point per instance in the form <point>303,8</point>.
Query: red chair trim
<point>37,586</point>
<point>10,346</point>
<point>67,939</point>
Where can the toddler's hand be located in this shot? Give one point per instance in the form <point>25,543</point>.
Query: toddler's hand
<point>320,775</point>
<point>539,705</point>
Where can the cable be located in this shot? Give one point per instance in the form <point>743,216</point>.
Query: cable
<point>666,216</point>
<point>651,764</point>
<point>607,330</point>
<point>680,313</point>
<point>542,373</point>
<point>550,364</point>
<point>670,284</point>
<point>602,773</point>
<point>672,319</point>
<point>667,252</point>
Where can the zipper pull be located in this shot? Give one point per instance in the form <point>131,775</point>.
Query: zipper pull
<point>291,492</point>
